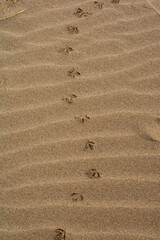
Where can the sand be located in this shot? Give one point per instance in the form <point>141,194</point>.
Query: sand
<point>80,119</point>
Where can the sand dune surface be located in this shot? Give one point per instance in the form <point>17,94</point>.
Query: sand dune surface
<point>80,119</point>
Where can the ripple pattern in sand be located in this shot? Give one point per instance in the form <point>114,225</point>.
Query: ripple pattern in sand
<point>81,120</point>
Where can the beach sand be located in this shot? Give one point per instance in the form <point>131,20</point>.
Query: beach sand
<point>80,117</point>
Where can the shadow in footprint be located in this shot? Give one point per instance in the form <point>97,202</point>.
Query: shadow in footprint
<point>115,1</point>
<point>60,234</point>
<point>66,50</point>
<point>70,98</point>
<point>93,174</point>
<point>80,13</point>
<point>82,118</point>
<point>73,73</point>
<point>89,145</point>
<point>77,197</point>
<point>72,30</point>
<point>98,5</point>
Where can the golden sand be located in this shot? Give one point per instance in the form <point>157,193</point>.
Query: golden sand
<point>80,117</point>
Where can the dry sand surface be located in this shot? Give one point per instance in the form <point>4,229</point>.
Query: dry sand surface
<point>80,117</point>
